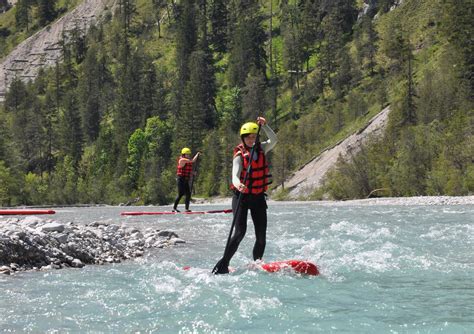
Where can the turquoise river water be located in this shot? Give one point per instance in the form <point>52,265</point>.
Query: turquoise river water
<point>385,269</point>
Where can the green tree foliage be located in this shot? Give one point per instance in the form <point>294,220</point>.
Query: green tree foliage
<point>197,113</point>
<point>129,91</point>
<point>63,187</point>
<point>22,14</point>
<point>136,150</point>
<point>46,11</point>
<point>294,54</point>
<point>457,27</point>
<point>127,9</point>
<point>106,123</point>
<point>186,41</point>
<point>365,40</point>
<point>246,43</point>
<point>254,101</point>
<point>6,183</point>
<point>219,25</point>
<point>71,130</point>
<point>89,89</point>
<point>230,105</point>
<point>159,180</point>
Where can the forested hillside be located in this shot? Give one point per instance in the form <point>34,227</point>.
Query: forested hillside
<point>107,123</point>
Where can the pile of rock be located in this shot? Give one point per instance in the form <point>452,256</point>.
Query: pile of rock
<point>33,243</point>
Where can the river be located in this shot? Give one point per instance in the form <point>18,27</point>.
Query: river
<point>384,269</point>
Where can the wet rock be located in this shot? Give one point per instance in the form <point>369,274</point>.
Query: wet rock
<point>168,234</point>
<point>31,221</point>
<point>52,227</point>
<point>5,270</point>
<point>62,238</point>
<point>177,241</point>
<point>76,263</point>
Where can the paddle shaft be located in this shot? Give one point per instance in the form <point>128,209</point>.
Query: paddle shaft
<point>195,168</point>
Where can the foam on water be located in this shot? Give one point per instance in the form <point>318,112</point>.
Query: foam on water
<point>384,269</point>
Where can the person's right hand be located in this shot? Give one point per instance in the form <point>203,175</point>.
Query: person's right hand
<point>241,187</point>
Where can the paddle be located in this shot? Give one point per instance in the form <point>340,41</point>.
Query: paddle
<point>239,199</point>
<point>194,174</point>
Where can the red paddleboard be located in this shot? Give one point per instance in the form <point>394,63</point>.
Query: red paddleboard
<point>151,213</point>
<point>301,267</point>
<point>298,266</point>
<point>26,212</point>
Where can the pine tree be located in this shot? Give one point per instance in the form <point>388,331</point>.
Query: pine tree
<point>457,27</point>
<point>365,41</point>
<point>219,25</point>
<point>78,44</point>
<point>254,97</point>
<point>46,11</point>
<point>247,43</point>
<point>197,106</point>
<point>293,39</point>
<point>16,96</point>
<point>149,93</point>
<point>186,41</point>
<point>127,8</point>
<point>128,114</point>
<point>50,111</point>
<point>70,128</point>
<point>22,14</point>
<point>409,105</point>
<point>330,46</point>
<point>89,91</point>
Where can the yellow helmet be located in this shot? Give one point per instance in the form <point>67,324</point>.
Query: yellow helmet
<point>186,151</point>
<point>248,128</point>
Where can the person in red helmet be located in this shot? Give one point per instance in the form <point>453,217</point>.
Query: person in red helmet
<point>249,190</point>
<point>184,172</point>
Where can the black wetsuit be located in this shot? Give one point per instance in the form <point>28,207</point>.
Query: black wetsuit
<point>183,190</point>
<point>257,205</point>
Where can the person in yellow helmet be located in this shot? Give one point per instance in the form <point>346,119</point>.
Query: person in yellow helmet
<point>184,172</point>
<point>249,190</point>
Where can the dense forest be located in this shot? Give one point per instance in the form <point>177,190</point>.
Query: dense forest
<point>107,123</point>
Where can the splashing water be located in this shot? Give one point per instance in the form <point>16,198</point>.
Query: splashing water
<point>384,269</point>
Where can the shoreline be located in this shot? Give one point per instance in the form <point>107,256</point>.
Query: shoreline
<point>415,200</point>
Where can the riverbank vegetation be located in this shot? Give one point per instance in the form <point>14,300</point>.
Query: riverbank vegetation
<point>107,124</point>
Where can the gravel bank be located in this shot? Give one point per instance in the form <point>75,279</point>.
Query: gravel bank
<point>33,243</point>
<point>420,200</point>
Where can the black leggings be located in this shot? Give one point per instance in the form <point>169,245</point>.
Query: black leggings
<point>183,189</point>
<point>258,210</point>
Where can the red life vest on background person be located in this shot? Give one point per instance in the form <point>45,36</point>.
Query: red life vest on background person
<point>258,180</point>
<point>186,171</point>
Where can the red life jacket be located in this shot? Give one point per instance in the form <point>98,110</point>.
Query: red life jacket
<point>186,171</point>
<point>258,180</point>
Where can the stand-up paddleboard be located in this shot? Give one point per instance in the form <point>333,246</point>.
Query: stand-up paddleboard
<point>296,266</point>
<point>26,212</point>
<point>143,213</point>
<point>299,266</point>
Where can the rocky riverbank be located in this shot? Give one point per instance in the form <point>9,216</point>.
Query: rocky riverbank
<point>33,243</point>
